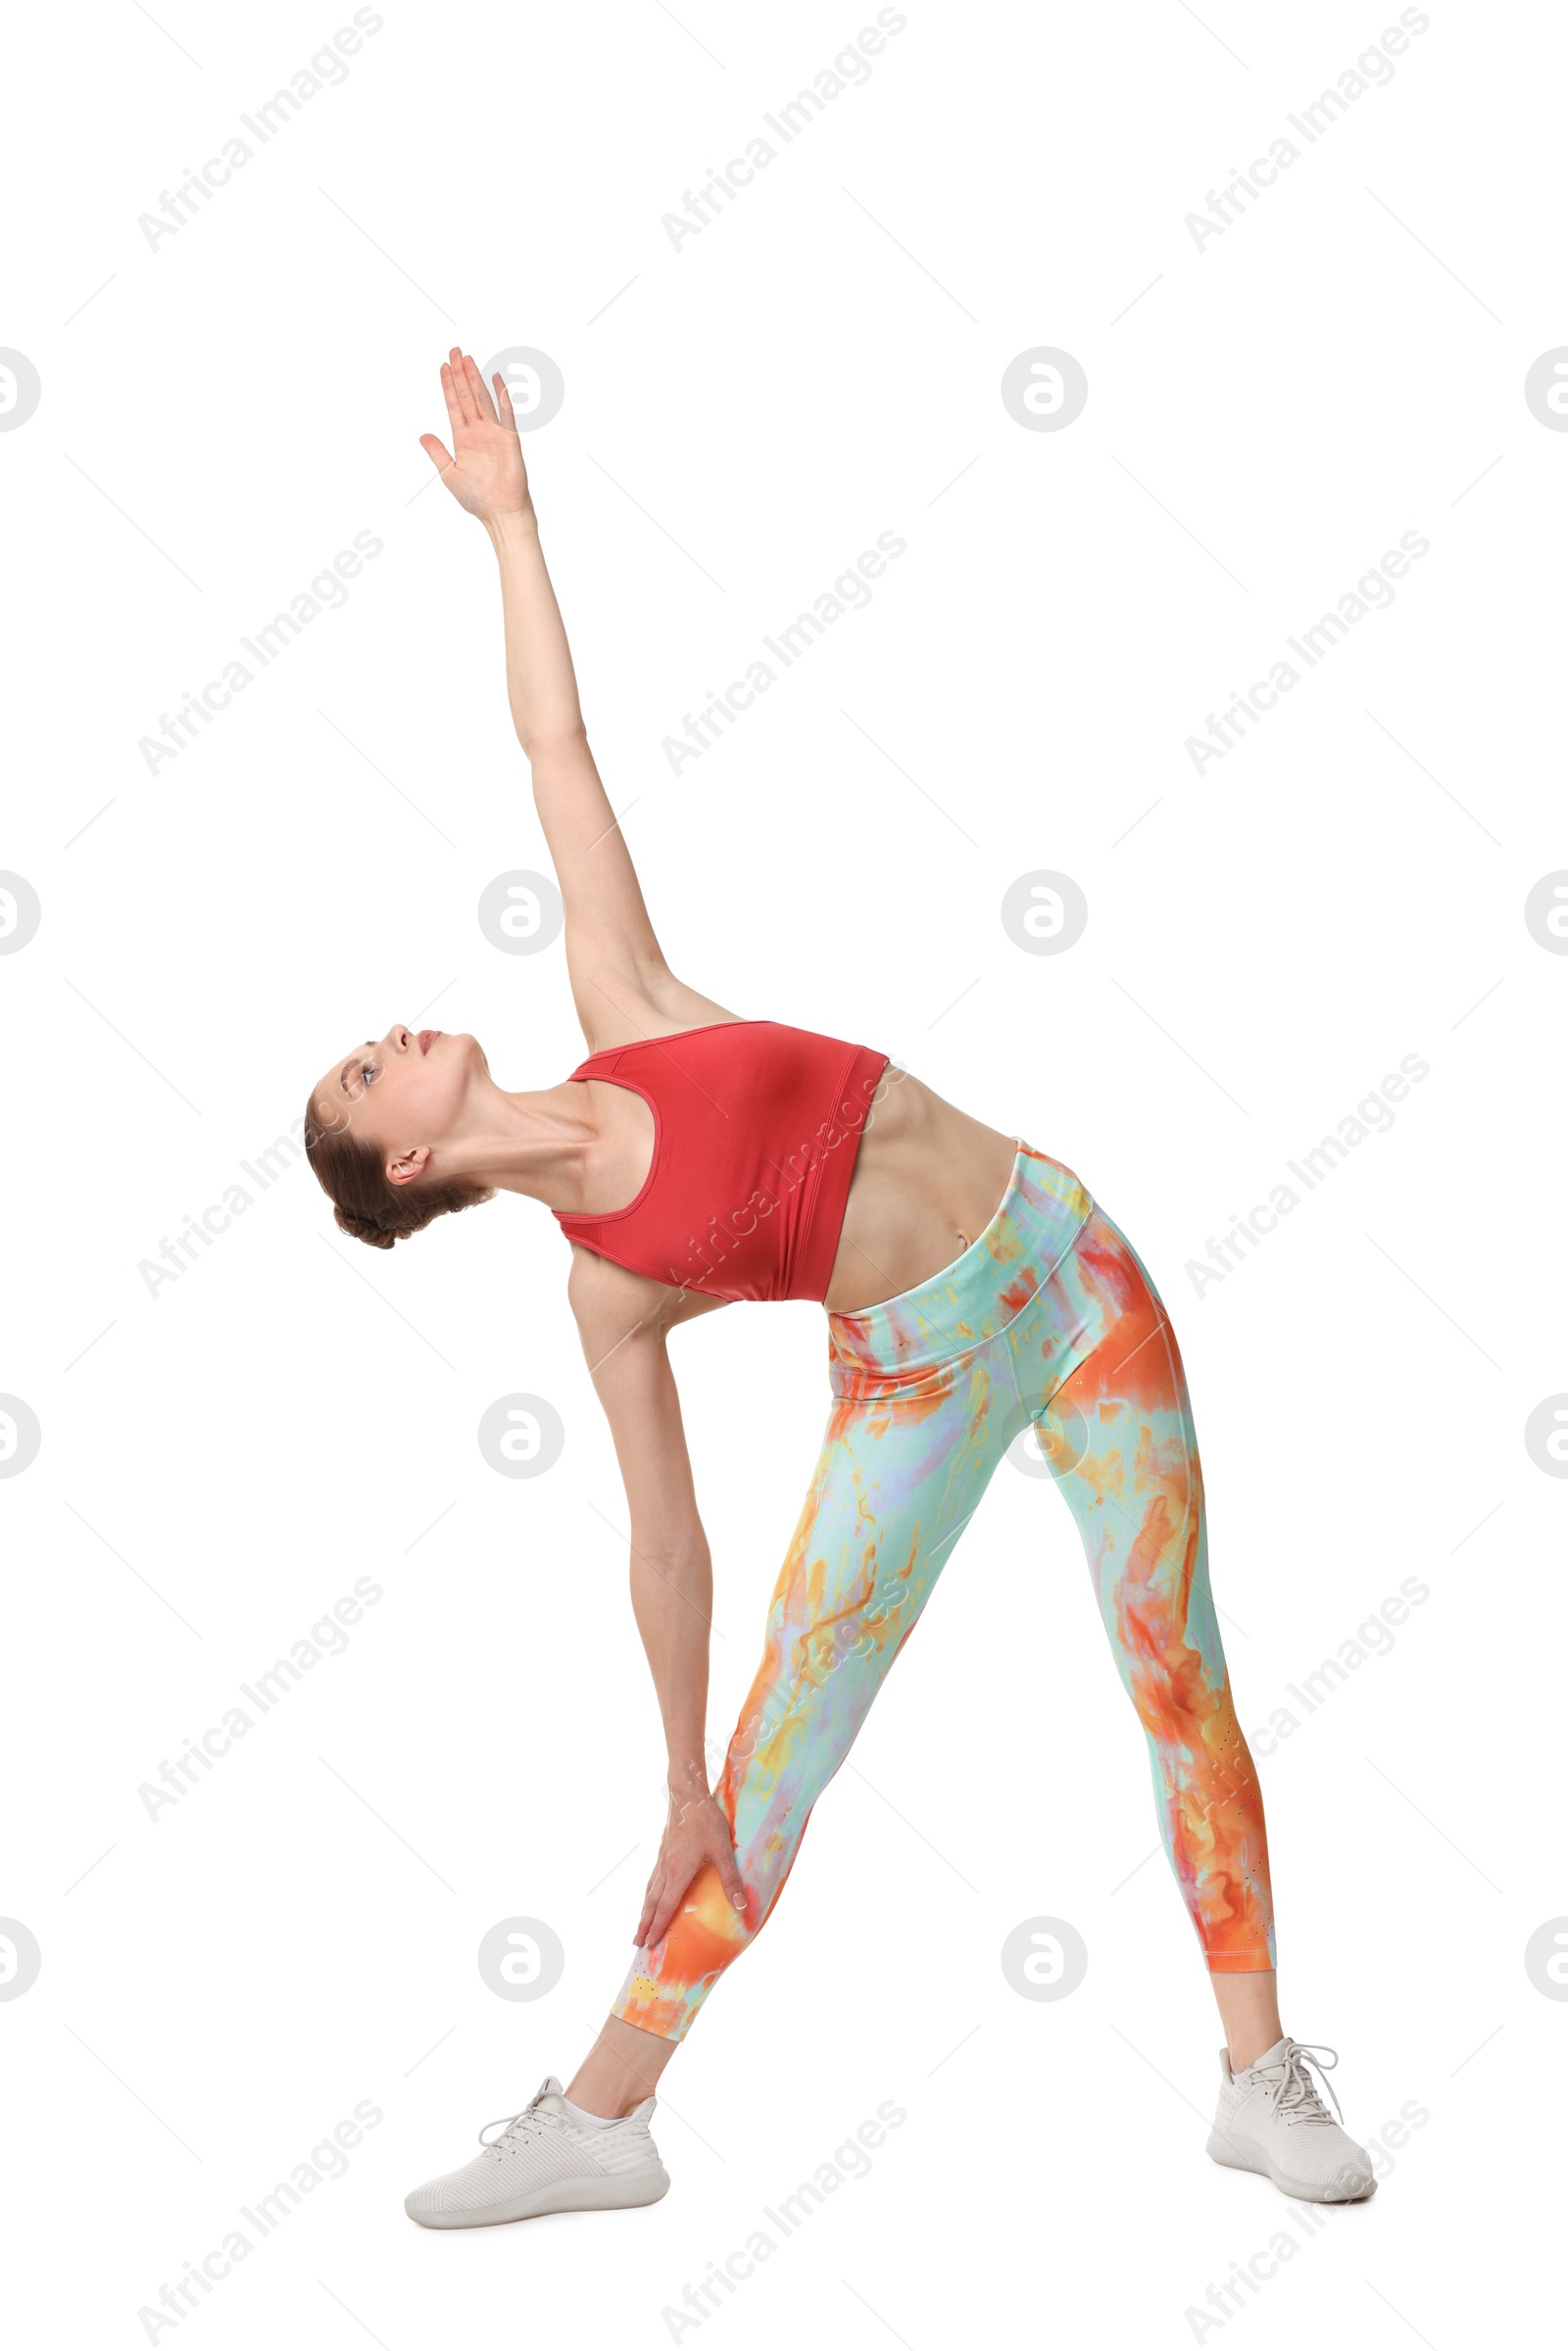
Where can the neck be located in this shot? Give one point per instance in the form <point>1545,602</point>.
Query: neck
<point>534,1144</point>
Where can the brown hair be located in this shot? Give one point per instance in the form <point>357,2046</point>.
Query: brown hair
<point>348,1167</point>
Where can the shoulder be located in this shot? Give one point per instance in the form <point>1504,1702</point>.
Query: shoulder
<point>604,1296</point>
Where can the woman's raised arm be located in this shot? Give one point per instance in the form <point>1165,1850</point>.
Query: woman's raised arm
<point>612,952</point>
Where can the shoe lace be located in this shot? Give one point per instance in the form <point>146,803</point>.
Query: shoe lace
<point>1294,2093</point>
<point>528,2122</point>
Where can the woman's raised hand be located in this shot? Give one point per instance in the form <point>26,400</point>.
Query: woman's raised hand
<point>484,470</point>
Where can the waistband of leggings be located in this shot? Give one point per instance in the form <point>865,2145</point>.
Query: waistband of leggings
<point>1036,1223</point>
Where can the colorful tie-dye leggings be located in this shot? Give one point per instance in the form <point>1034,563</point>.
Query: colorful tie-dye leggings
<point>1048,1317</point>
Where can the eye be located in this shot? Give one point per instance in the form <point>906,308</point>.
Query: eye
<point>368,1072</point>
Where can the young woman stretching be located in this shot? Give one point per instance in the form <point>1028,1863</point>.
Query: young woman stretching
<point>972,1288</point>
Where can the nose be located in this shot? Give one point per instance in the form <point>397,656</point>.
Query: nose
<point>398,1039</point>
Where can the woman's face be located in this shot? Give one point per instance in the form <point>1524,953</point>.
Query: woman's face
<point>405,1092</point>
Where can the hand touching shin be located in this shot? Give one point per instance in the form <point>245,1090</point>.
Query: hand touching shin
<point>696,1834</point>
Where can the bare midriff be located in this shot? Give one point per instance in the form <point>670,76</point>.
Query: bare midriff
<point>927,1181</point>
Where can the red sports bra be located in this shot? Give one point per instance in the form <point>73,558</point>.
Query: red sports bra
<point>755,1129</point>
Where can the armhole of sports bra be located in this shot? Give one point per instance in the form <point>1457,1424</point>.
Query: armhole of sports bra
<point>599,1217</point>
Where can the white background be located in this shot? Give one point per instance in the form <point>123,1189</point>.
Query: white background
<point>221,1461</point>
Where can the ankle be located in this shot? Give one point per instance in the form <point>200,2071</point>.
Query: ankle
<point>602,2110</point>
<point>593,2095</point>
<point>620,2071</point>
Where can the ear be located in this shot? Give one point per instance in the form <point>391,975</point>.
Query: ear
<point>408,1165</point>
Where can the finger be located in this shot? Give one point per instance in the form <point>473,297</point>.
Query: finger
<point>668,1905</point>
<point>504,403</point>
<point>722,1854</point>
<point>459,388</point>
<point>449,393</point>
<point>436,452</point>
<point>730,1878</point>
<point>650,1903</point>
<point>482,399</point>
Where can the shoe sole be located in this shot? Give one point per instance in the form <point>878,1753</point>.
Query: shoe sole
<point>604,2193</point>
<point>1354,2190</point>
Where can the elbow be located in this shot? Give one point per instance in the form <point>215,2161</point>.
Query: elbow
<point>544,740</point>
<point>676,1557</point>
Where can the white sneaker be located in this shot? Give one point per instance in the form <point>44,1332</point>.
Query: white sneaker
<point>1271,2120</point>
<point>546,2160</point>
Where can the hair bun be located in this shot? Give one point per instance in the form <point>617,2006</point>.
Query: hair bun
<point>359,1228</point>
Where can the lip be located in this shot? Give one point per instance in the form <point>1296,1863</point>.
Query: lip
<point>427,1037</point>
